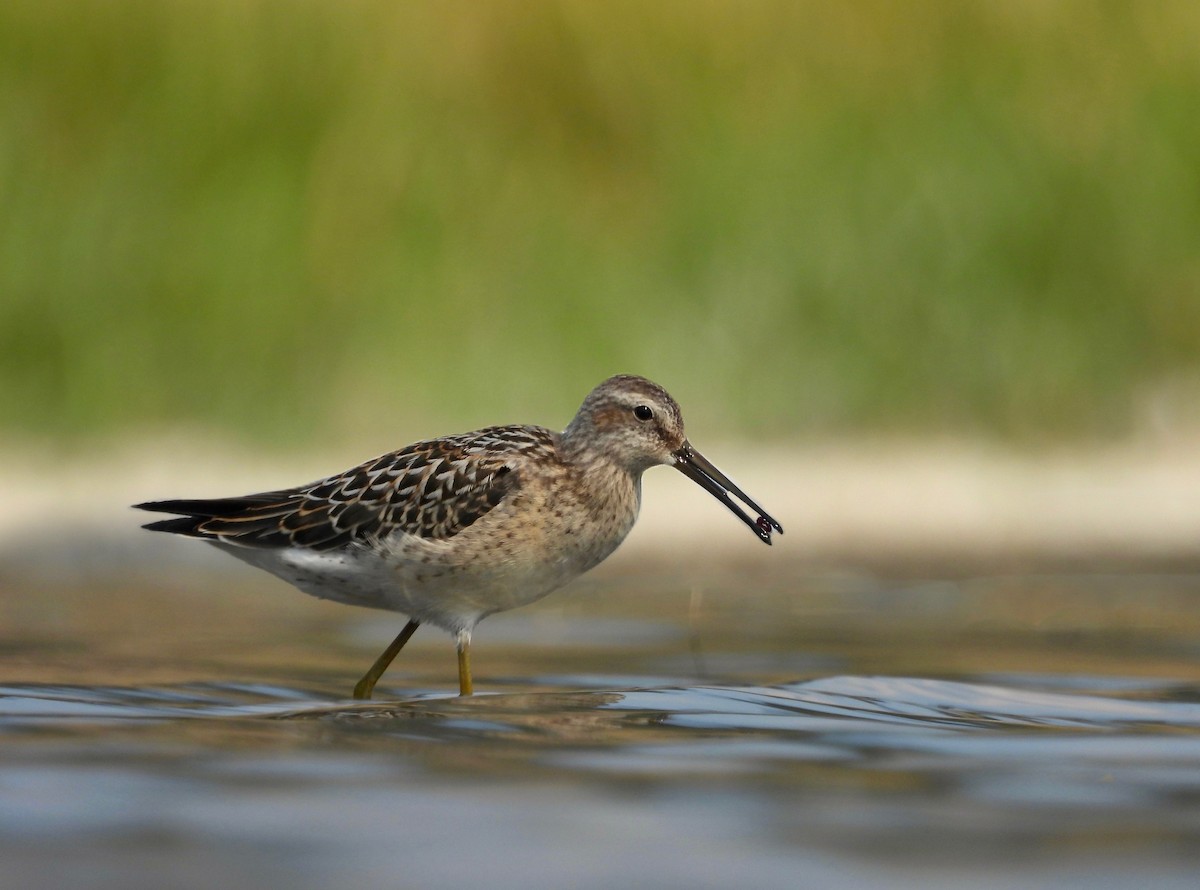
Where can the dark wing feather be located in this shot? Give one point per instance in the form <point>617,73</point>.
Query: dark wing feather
<point>432,489</point>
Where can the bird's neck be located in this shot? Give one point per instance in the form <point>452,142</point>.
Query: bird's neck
<point>612,488</point>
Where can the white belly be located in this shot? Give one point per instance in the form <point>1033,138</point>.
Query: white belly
<point>427,581</point>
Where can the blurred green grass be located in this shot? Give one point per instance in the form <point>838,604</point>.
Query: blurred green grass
<point>293,219</point>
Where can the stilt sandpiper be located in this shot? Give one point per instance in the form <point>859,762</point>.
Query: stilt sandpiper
<point>451,530</point>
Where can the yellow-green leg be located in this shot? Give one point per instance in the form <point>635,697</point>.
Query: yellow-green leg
<point>364,687</point>
<point>463,639</point>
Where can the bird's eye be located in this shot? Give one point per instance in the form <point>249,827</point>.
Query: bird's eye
<point>643,412</point>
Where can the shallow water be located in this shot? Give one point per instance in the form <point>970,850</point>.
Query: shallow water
<point>831,731</point>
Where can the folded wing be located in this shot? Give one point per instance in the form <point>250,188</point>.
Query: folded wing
<point>431,490</point>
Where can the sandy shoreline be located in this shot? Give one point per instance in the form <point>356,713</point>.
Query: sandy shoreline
<point>908,502</point>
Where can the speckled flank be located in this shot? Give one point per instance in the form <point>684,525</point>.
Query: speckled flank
<point>450,530</point>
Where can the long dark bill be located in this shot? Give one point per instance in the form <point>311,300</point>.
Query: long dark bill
<point>696,467</point>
